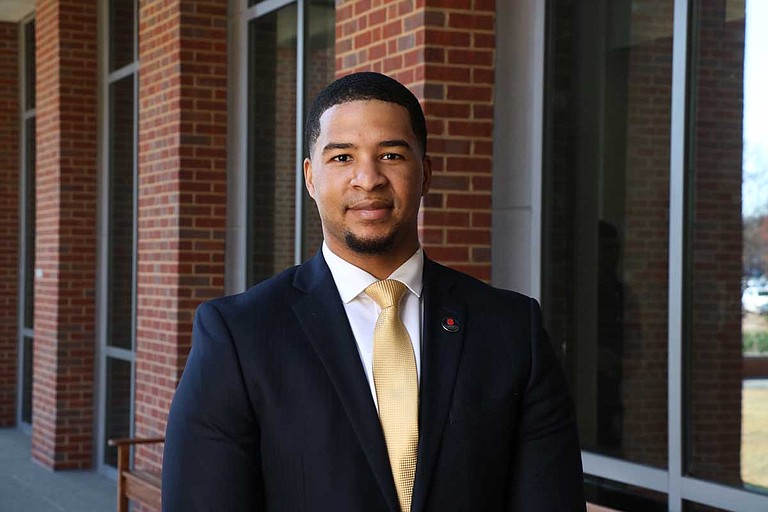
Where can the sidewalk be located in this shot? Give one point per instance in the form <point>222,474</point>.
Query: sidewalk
<point>28,487</point>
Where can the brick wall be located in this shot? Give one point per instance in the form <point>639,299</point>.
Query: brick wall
<point>182,193</point>
<point>9,218</point>
<point>66,195</point>
<point>443,50</point>
<point>715,296</point>
<point>646,234</point>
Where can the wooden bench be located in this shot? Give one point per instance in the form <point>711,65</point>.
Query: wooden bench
<point>136,485</point>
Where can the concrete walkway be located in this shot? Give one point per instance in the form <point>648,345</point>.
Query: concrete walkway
<point>26,486</point>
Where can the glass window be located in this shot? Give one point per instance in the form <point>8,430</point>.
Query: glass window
<point>118,308</point>
<point>26,382</point>
<point>606,217</point>
<point>29,225</point>
<point>622,497</point>
<point>272,143</point>
<point>118,405</point>
<point>121,230</point>
<point>727,246</point>
<point>121,32</point>
<point>27,265</point>
<point>273,151</point>
<point>29,66</point>
<point>319,72</point>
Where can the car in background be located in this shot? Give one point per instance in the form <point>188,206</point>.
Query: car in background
<point>755,300</point>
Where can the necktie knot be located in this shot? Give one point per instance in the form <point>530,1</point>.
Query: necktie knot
<point>386,293</point>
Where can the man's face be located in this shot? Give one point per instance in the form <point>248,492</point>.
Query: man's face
<point>367,175</point>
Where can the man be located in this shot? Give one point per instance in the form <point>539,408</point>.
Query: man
<point>371,378</point>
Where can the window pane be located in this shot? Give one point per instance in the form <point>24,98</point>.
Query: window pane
<point>271,143</point>
<point>606,211</point>
<point>118,406</point>
<point>29,65</point>
<point>319,71</point>
<point>26,384</point>
<point>29,231</point>
<point>121,232</point>
<point>728,244</point>
<point>623,497</point>
<point>689,506</point>
<point>121,28</point>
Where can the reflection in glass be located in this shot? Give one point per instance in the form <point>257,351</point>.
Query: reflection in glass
<point>121,230</point>
<point>689,506</point>
<point>319,71</point>
<point>29,225</point>
<point>606,235</point>
<point>118,406</point>
<point>30,74</point>
<point>271,143</point>
<point>26,384</point>
<point>728,247</point>
<point>122,16</point>
<point>619,496</point>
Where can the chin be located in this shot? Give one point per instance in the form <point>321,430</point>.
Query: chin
<point>369,245</point>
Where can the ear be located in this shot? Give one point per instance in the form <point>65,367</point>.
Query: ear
<point>308,177</point>
<point>426,165</point>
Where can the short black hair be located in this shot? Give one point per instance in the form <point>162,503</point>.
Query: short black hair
<point>364,86</point>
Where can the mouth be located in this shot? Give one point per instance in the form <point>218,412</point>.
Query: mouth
<point>371,209</point>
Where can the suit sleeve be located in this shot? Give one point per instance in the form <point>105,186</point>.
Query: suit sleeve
<point>211,458</point>
<point>546,474</point>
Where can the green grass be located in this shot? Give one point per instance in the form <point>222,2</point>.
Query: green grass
<point>754,439</point>
<point>755,342</point>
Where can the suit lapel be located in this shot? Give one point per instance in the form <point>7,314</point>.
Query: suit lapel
<point>322,316</point>
<point>440,362</point>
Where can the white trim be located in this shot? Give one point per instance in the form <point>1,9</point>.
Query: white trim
<point>675,360</point>
<point>102,230</point>
<point>265,7</point>
<point>298,215</point>
<point>722,496</point>
<point>119,74</point>
<point>517,146</point>
<point>624,471</point>
<point>236,253</point>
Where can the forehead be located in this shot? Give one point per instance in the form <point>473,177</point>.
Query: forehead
<point>366,118</point>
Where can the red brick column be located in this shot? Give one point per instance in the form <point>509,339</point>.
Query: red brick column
<point>9,219</point>
<point>66,90</point>
<point>444,52</point>
<point>182,192</point>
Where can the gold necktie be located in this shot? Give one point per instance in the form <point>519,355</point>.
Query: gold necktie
<point>397,387</point>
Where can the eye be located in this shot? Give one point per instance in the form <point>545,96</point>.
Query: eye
<point>343,158</point>
<point>391,156</point>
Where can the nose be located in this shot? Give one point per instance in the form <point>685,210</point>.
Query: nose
<point>368,175</point>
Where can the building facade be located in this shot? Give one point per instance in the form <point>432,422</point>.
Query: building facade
<point>602,156</point>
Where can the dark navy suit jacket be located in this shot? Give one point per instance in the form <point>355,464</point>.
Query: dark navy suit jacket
<point>274,412</point>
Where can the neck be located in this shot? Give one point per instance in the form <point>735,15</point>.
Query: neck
<point>379,266</point>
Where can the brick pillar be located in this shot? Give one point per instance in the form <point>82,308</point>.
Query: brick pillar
<point>9,219</point>
<point>182,193</point>
<point>444,52</point>
<point>66,89</point>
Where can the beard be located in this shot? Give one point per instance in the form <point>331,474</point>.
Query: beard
<point>369,246</point>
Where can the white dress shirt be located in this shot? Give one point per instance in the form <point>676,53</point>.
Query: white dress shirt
<point>362,311</point>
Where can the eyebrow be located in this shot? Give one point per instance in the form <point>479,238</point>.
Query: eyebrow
<point>393,143</point>
<point>331,146</point>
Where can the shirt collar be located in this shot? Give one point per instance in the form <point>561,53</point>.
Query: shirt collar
<point>352,281</point>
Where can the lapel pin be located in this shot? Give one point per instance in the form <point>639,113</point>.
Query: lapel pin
<point>450,324</point>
